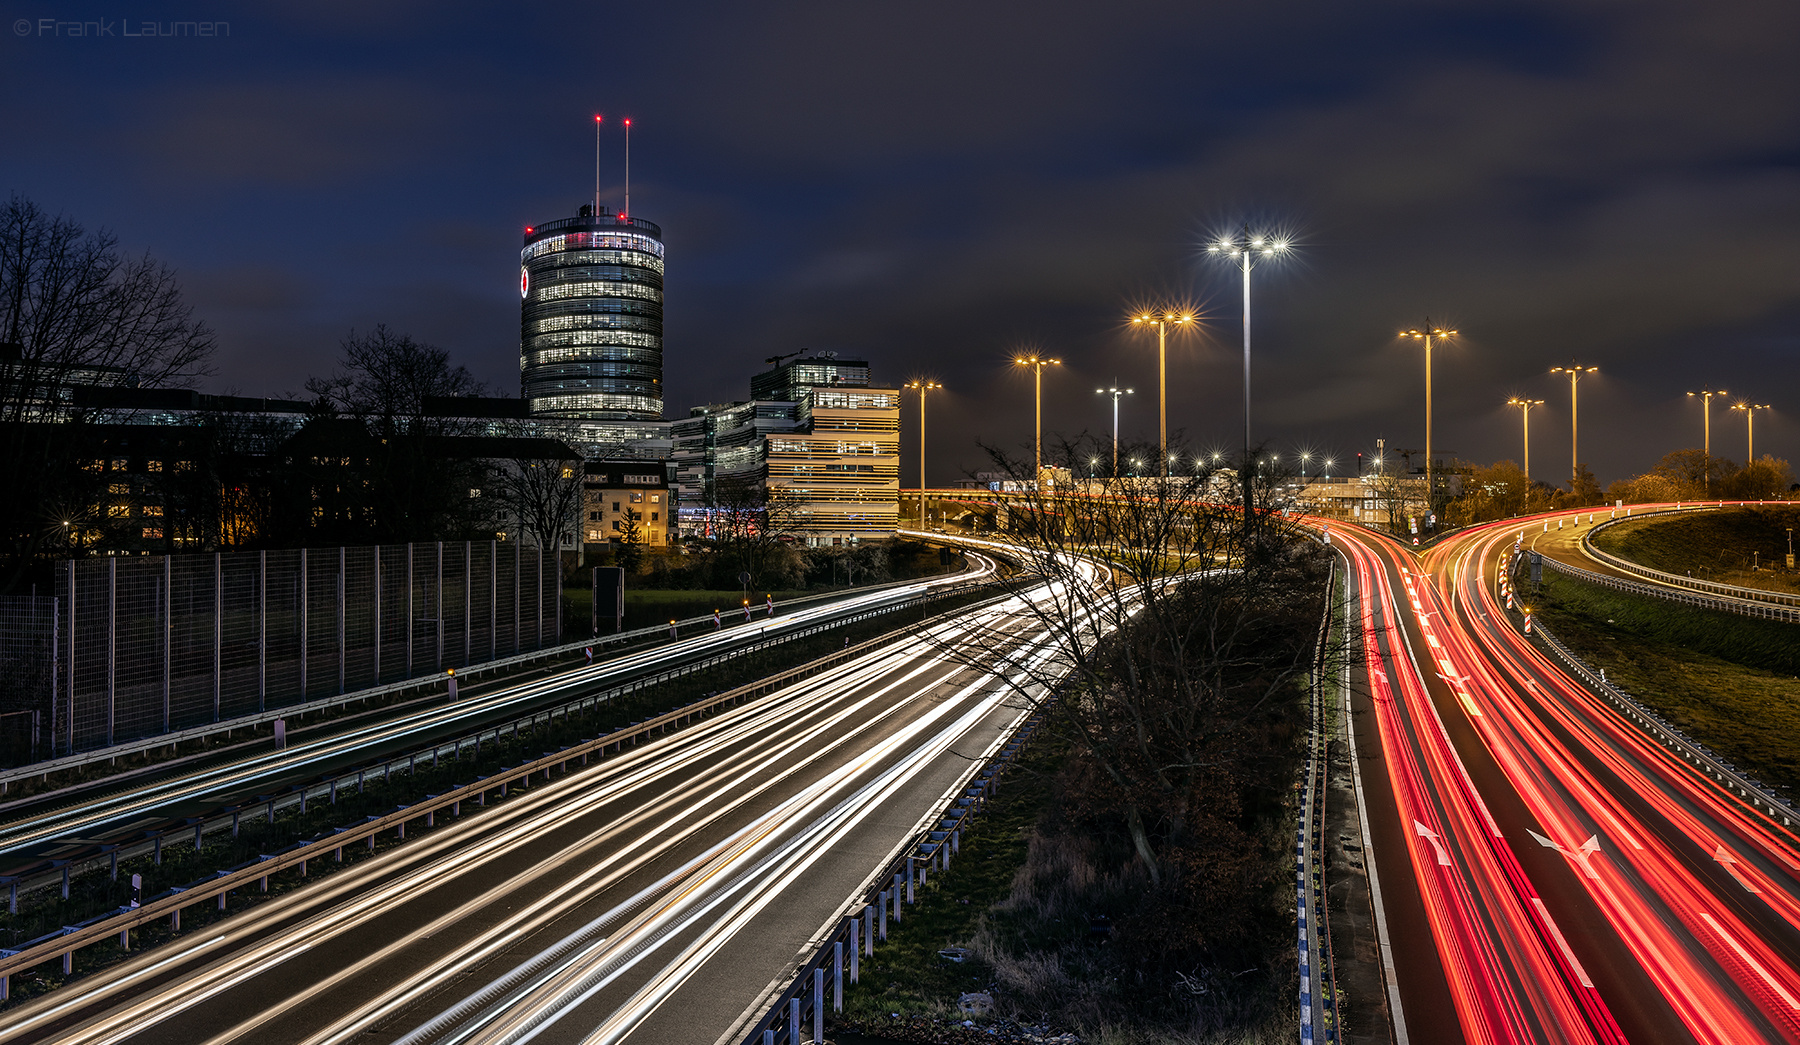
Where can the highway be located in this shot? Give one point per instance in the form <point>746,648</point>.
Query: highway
<point>1576,881</point>
<point>117,808</point>
<point>649,897</point>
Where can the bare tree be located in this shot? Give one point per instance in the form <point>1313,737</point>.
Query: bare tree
<point>545,495</point>
<point>1167,669</point>
<point>413,487</point>
<point>385,377</point>
<point>73,311</point>
<point>754,526</point>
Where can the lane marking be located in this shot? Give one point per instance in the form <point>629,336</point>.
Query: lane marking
<point>1730,864</point>
<point>1556,934</point>
<point>1443,857</point>
<point>1751,961</point>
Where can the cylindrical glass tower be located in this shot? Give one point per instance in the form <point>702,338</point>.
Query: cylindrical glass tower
<point>590,330</point>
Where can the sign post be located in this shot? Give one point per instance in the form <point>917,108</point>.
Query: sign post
<point>609,590</point>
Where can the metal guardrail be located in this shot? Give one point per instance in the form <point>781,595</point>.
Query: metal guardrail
<point>62,943</point>
<point>1724,774</point>
<point>418,683</point>
<point>1318,981</point>
<point>1733,591</point>
<point>938,838</point>
<point>1708,602</point>
<point>51,872</point>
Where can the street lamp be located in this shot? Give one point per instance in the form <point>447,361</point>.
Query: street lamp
<point>1750,428</point>
<point>1037,365</point>
<point>1115,392</point>
<point>924,388</point>
<point>1161,322</point>
<point>1427,335</point>
<point>1706,397</point>
<point>1525,406</point>
<point>1328,463</point>
<point>1304,457</point>
<point>1574,370</point>
<point>1244,249</point>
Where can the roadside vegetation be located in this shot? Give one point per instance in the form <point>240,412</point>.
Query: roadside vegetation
<point>1745,546</point>
<point>1151,898</point>
<point>1730,682</point>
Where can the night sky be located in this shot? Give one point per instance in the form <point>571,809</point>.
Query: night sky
<point>937,186</point>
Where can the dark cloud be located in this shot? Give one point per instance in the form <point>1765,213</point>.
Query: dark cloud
<point>935,185</point>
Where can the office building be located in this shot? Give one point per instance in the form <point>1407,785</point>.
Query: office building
<point>590,320</point>
<point>619,495</point>
<point>813,432</point>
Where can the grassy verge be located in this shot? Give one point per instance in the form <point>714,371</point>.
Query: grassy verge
<point>1727,681</point>
<point>1722,545</point>
<point>97,893</point>
<point>908,992</point>
<point>1028,900</point>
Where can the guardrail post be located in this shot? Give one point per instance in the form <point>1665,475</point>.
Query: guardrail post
<point>910,897</point>
<point>818,1006</point>
<point>869,929</point>
<point>856,948</point>
<point>886,898</point>
<point>794,1021</point>
<point>837,975</point>
<point>124,939</point>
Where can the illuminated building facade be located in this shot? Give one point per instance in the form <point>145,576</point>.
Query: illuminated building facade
<point>591,320</point>
<point>814,431</point>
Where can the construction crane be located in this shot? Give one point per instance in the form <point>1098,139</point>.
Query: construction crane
<point>776,360</point>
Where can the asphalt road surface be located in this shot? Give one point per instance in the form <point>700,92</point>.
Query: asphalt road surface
<point>650,897</point>
<point>1551,873</point>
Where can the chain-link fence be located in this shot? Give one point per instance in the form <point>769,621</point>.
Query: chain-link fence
<point>145,645</point>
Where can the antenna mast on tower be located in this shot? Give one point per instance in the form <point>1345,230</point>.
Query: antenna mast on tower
<point>596,164</point>
<point>627,211</point>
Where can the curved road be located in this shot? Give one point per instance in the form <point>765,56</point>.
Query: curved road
<point>1577,882</point>
<point>650,897</point>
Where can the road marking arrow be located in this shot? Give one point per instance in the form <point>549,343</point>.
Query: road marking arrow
<point>1730,864</point>
<point>1429,835</point>
<point>1582,855</point>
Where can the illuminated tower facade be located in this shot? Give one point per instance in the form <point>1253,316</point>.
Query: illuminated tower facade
<point>591,318</point>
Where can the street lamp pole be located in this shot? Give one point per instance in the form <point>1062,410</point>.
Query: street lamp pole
<point>1750,428</point>
<point>1243,249</point>
<point>1426,335</point>
<point>1525,406</point>
<point>1706,397</point>
<point>922,387</point>
<point>1037,365</point>
<point>1161,322</point>
<point>1115,391</point>
<point>1574,370</point>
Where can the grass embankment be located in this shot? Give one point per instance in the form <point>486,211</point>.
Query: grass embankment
<point>1718,545</point>
<point>96,893</point>
<point>1030,898</point>
<point>1727,681</point>
<point>906,988</point>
